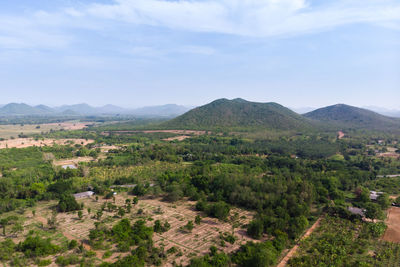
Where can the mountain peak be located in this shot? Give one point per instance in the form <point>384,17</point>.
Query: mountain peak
<point>239,113</point>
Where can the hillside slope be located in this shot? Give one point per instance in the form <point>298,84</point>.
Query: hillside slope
<point>22,109</point>
<point>239,113</point>
<point>347,116</point>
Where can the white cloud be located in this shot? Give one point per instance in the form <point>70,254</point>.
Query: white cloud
<point>20,33</point>
<point>260,18</point>
<point>256,18</point>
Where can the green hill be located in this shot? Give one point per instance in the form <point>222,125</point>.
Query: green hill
<point>21,109</point>
<point>240,114</point>
<point>344,116</point>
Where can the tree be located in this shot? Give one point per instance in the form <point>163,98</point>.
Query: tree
<point>255,229</point>
<point>52,221</point>
<point>17,227</point>
<point>121,212</point>
<point>362,194</point>
<point>99,214</point>
<point>80,215</point>
<point>67,203</point>
<point>3,223</point>
<point>197,219</point>
<point>157,226</point>
<point>189,226</point>
<point>219,210</point>
<point>135,200</point>
<point>383,201</point>
<point>373,211</point>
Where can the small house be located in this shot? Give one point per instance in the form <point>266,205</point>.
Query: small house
<point>356,211</point>
<point>83,194</point>
<point>69,166</point>
<point>373,195</point>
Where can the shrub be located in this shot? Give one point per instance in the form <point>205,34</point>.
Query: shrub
<point>67,203</point>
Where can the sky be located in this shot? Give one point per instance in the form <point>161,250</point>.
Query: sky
<point>132,53</point>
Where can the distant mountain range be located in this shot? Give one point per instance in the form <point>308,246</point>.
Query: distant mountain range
<point>242,114</point>
<point>21,109</point>
<point>229,114</point>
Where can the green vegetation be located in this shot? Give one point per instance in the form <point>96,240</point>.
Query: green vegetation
<point>337,238</point>
<point>284,183</point>
<point>349,117</point>
<point>227,114</point>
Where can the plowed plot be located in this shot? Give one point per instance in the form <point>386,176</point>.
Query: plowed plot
<point>392,233</point>
<point>28,142</point>
<point>73,161</point>
<point>202,236</point>
<point>187,244</point>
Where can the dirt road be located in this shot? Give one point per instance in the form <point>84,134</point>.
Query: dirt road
<point>290,254</point>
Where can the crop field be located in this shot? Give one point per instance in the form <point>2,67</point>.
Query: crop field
<point>73,161</point>
<point>28,142</point>
<point>11,130</point>
<point>198,241</point>
<point>187,243</point>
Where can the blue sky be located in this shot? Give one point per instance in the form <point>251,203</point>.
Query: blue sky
<point>147,52</point>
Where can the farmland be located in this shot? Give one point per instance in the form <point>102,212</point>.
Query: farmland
<point>14,130</point>
<point>177,197</point>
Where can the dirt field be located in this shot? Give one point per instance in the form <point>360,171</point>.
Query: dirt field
<point>74,161</point>
<point>8,131</point>
<point>182,132</point>
<point>188,244</point>
<point>28,142</point>
<point>178,138</point>
<point>392,233</point>
<point>69,125</point>
<point>201,238</point>
<point>389,155</point>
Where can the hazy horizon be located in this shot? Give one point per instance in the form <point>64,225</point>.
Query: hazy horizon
<point>298,109</point>
<point>135,53</point>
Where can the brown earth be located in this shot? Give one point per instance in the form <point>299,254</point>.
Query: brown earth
<point>389,155</point>
<point>392,233</point>
<point>186,132</point>
<point>73,161</point>
<point>69,125</point>
<point>178,138</point>
<point>28,142</point>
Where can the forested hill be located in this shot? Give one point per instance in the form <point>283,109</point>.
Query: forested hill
<point>352,117</point>
<point>239,113</point>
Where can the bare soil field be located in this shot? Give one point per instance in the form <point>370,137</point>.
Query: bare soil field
<point>389,155</point>
<point>198,241</point>
<point>28,142</point>
<point>69,125</point>
<point>182,132</point>
<point>74,161</point>
<point>11,130</point>
<point>188,243</point>
<point>392,233</point>
<point>177,138</point>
